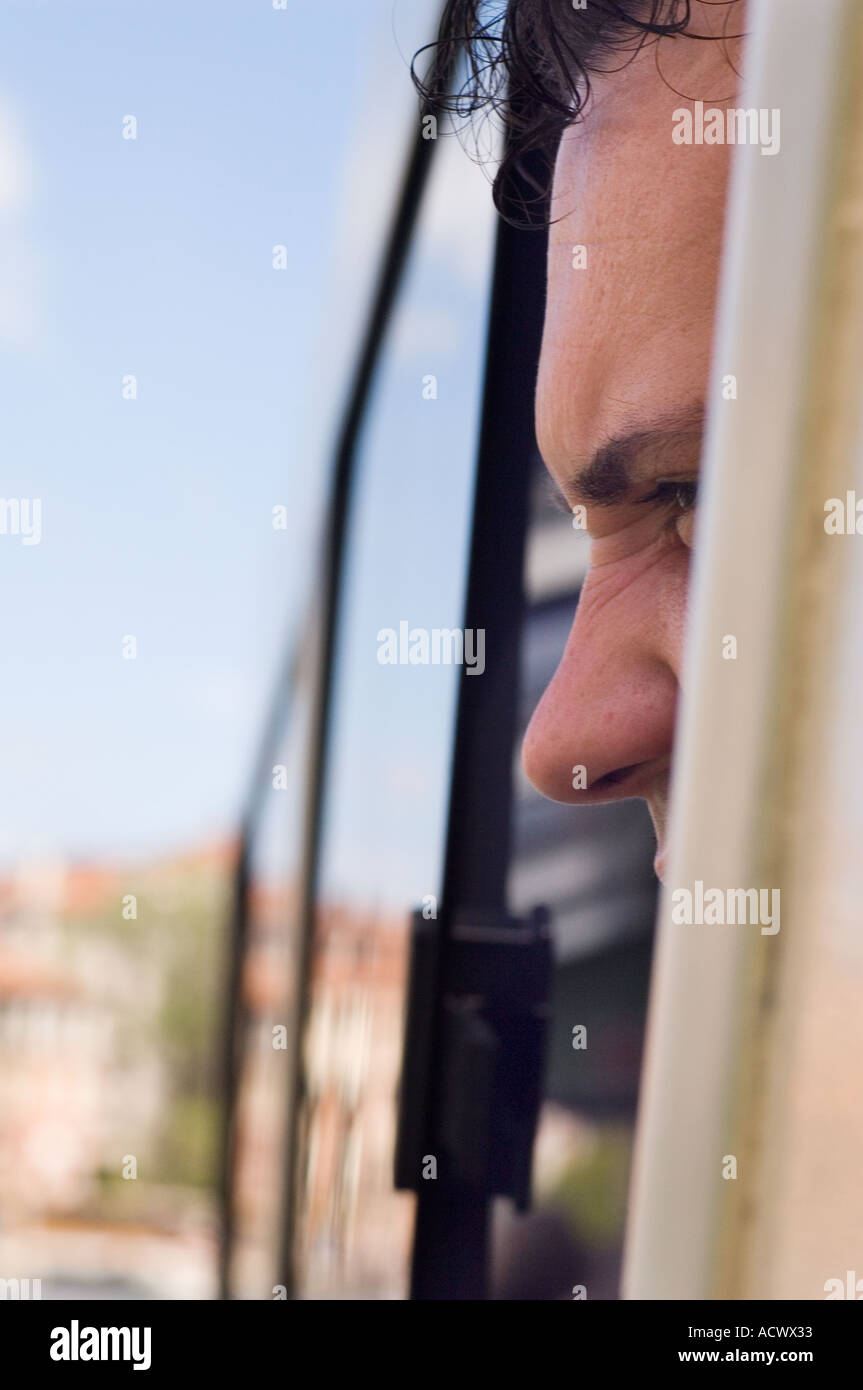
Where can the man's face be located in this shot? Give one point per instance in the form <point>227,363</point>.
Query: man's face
<point>620,402</point>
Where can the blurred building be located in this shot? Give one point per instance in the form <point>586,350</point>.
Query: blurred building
<point>353,1229</point>
<point>108,1041</point>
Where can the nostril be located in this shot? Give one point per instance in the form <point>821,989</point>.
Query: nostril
<point>613,779</point>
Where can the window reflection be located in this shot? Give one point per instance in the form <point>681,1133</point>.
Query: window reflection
<point>390,744</point>
<point>268,1003</point>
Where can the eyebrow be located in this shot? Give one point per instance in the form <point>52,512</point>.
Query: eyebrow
<point>620,464</point>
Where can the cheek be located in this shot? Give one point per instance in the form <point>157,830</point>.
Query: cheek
<point>672,597</point>
<point>633,610</point>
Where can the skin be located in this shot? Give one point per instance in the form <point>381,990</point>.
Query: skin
<point>626,347</point>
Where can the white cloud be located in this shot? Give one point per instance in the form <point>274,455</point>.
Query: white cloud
<point>15,166</point>
<point>18,275</point>
<point>424,330</point>
<point>459,221</point>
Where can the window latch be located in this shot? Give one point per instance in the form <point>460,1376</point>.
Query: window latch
<point>474,1048</point>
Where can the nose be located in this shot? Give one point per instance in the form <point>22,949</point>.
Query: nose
<point>603,729</point>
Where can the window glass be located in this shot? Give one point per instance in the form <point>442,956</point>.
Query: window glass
<point>340,205</point>
<point>268,1001</point>
<point>168,229</point>
<point>391,738</point>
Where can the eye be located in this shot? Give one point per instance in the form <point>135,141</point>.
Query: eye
<point>681,495</point>
<point>686,495</point>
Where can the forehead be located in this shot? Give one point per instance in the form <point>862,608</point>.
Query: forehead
<point>629,111</point>
<point>633,259</point>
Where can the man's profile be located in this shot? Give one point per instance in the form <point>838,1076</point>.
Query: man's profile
<point>626,345</point>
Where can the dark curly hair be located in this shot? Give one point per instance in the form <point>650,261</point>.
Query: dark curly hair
<point>530,61</point>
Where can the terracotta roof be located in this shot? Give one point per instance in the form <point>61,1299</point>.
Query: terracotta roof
<point>31,979</point>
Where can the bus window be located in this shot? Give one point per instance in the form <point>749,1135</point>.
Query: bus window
<point>267,953</point>
<point>267,998</point>
<point>390,741</point>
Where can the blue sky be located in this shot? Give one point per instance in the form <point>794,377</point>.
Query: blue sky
<point>154,257</point>
<point>385,802</point>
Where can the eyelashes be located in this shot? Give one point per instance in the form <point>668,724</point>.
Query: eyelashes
<point>680,494</point>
